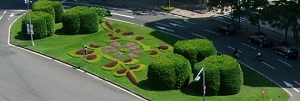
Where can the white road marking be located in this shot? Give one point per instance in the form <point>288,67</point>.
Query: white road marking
<point>268,65</point>
<point>164,28</point>
<point>199,35</point>
<point>162,24</point>
<point>11,15</point>
<point>122,15</point>
<point>248,46</point>
<point>290,85</point>
<point>174,20</point>
<point>221,20</point>
<point>120,20</point>
<point>187,21</point>
<point>211,32</point>
<point>174,24</point>
<point>2,14</point>
<point>297,83</point>
<point>233,48</point>
<point>172,34</point>
<point>284,62</point>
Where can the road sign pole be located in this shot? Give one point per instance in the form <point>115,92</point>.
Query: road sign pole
<point>204,87</point>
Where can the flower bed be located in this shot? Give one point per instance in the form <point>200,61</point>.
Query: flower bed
<point>127,33</point>
<point>118,30</point>
<point>163,47</point>
<point>81,52</point>
<point>94,46</point>
<point>111,64</point>
<point>127,60</point>
<point>153,52</point>
<point>139,38</point>
<point>91,57</point>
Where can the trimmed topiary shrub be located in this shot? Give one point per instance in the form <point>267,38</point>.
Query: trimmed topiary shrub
<point>88,21</point>
<point>43,24</point>
<point>71,22</point>
<point>59,10</point>
<point>101,12</point>
<point>195,50</point>
<point>45,6</point>
<point>223,75</point>
<point>171,71</point>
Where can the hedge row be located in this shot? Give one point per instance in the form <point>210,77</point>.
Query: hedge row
<point>223,75</point>
<point>80,19</point>
<point>55,8</point>
<point>171,71</point>
<point>43,24</point>
<point>195,50</point>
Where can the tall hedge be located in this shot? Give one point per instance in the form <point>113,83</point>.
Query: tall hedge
<point>195,50</point>
<point>71,22</point>
<point>223,75</point>
<point>89,22</point>
<point>171,71</point>
<point>101,12</point>
<point>43,24</point>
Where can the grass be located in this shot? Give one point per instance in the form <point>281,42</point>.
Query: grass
<point>59,45</point>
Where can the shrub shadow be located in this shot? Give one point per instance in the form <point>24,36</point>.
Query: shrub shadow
<point>144,84</point>
<point>22,36</point>
<point>190,90</point>
<point>60,32</point>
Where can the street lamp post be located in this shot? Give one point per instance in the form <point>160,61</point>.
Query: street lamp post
<point>29,27</point>
<point>197,78</point>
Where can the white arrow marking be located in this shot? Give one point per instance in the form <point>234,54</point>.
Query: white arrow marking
<point>177,25</point>
<point>297,83</point>
<point>268,65</point>
<point>174,20</point>
<point>122,15</point>
<point>233,48</point>
<point>248,46</point>
<point>199,35</point>
<point>284,62</point>
<point>11,15</point>
<point>162,24</point>
<point>290,85</point>
<point>211,32</point>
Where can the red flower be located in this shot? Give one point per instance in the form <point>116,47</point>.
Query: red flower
<point>118,30</point>
<point>139,38</point>
<point>163,47</point>
<point>132,79</point>
<point>94,45</point>
<point>81,52</point>
<point>114,38</point>
<point>112,64</point>
<point>91,57</point>
<point>153,52</point>
<point>127,60</point>
<point>127,33</point>
<point>121,71</point>
<point>134,67</point>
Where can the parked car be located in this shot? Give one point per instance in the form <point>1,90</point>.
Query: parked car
<point>286,50</point>
<point>228,29</point>
<point>260,40</point>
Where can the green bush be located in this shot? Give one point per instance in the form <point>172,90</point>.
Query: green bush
<point>44,6</point>
<point>71,22</point>
<point>167,8</point>
<point>231,76</point>
<point>195,50</point>
<point>43,24</point>
<point>170,71</point>
<point>59,10</point>
<point>89,22</point>
<point>223,75</point>
<point>101,12</point>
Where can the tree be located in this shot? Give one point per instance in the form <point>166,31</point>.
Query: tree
<point>278,17</point>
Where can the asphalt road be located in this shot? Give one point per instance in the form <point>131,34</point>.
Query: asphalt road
<point>284,72</point>
<point>25,76</point>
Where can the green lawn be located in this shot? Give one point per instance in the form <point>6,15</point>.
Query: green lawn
<point>59,45</point>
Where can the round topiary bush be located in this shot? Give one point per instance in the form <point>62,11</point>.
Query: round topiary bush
<point>59,10</point>
<point>43,24</point>
<point>170,71</point>
<point>223,75</point>
<point>45,6</point>
<point>71,22</point>
<point>195,50</point>
<point>88,21</point>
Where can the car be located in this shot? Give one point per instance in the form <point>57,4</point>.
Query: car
<point>228,29</point>
<point>108,12</point>
<point>260,40</point>
<point>287,50</point>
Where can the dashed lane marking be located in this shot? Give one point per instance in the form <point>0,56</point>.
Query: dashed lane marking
<point>198,35</point>
<point>162,24</point>
<point>248,46</point>
<point>268,65</point>
<point>2,14</point>
<point>211,32</point>
<point>174,20</point>
<point>221,20</point>
<point>233,48</point>
<point>297,83</point>
<point>284,62</point>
